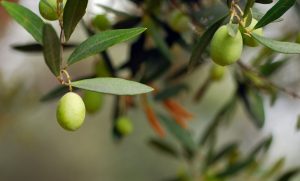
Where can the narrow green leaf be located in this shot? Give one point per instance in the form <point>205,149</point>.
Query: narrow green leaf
<point>258,15</point>
<point>203,41</point>
<point>264,1</point>
<point>274,169</point>
<point>164,147</point>
<point>155,63</point>
<point>157,37</point>
<point>255,107</point>
<point>217,119</point>
<point>263,145</point>
<point>73,12</point>
<point>271,67</point>
<point>246,162</point>
<point>115,86</point>
<point>170,91</point>
<point>52,51</point>
<point>226,150</point>
<point>35,47</point>
<point>182,135</point>
<point>275,12</point>
<point>248,18</point>
<point>60,90</point>
<point>288,175</point>
<point>55,93</point>
<point>116,12</point>
<point>101,41</point>
<point>235,168</point>
<point>248,7</point>
<point>278,46</point>
<point>298,123</point>
<point>26,18</point>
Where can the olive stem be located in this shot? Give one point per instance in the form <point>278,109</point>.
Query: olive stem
<point>65,72</point>
<point>270,83</point>
<point>239,9</point>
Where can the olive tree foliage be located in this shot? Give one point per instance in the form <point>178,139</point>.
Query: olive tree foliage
<point>210,32</point>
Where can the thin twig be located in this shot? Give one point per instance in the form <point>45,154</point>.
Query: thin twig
<point>270,83</point>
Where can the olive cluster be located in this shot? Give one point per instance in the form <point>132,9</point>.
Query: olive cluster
<point>71,109</point>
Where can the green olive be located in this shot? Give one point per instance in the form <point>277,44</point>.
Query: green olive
<point>101,22</point>
<point>217,72</point>
<point>248,40</point>
<point>48,9</point>
<point>101,69</point>
<point>70,111</point>
<point>225,49</point>
<point>92,100</point>
<point>124,125</point>
<point>179,22</point>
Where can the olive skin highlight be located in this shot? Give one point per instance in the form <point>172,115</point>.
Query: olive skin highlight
<point>225,49</point>
<point>70,112</point>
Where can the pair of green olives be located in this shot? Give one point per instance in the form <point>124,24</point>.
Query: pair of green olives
<point>71,111</point>
<point>226,49</point>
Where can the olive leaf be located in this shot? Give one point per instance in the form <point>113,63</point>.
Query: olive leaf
<point>114,86</point>
<point>278,46</point>
<point>101,41</point>
<point>275,12</point>
<point>73,12</point>
<point>264,1</point>
<point>35,47</point>
<point>288,175</point>
<point>182,135</point>
<point>52,51</point>
<point>254,104</point>
<point>26,18</point>
<point>157,37</point>
<point>248,7</point>
<point>164,147</point>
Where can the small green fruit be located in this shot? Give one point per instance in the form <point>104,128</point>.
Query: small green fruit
<point>248,40</point>
<point>101,22</point>
<point>93,101</point>
<point>225,49</point>
<point>70,112</point>
<point>48,9</point>
<point>217,72</point>
<point>101,69</point>
<point>179,22</point>
<point>124,125</point>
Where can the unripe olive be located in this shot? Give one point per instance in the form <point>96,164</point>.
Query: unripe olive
<point>101,69</point>
<point>70,112</point>
<point>217,72</point>
<point>179,22</point>
<point>226,49</point>
<point>48,9</point>
<point>248,40</point>
<point>124,125</point>
<point>92,100</point>
<point>101,22</point>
